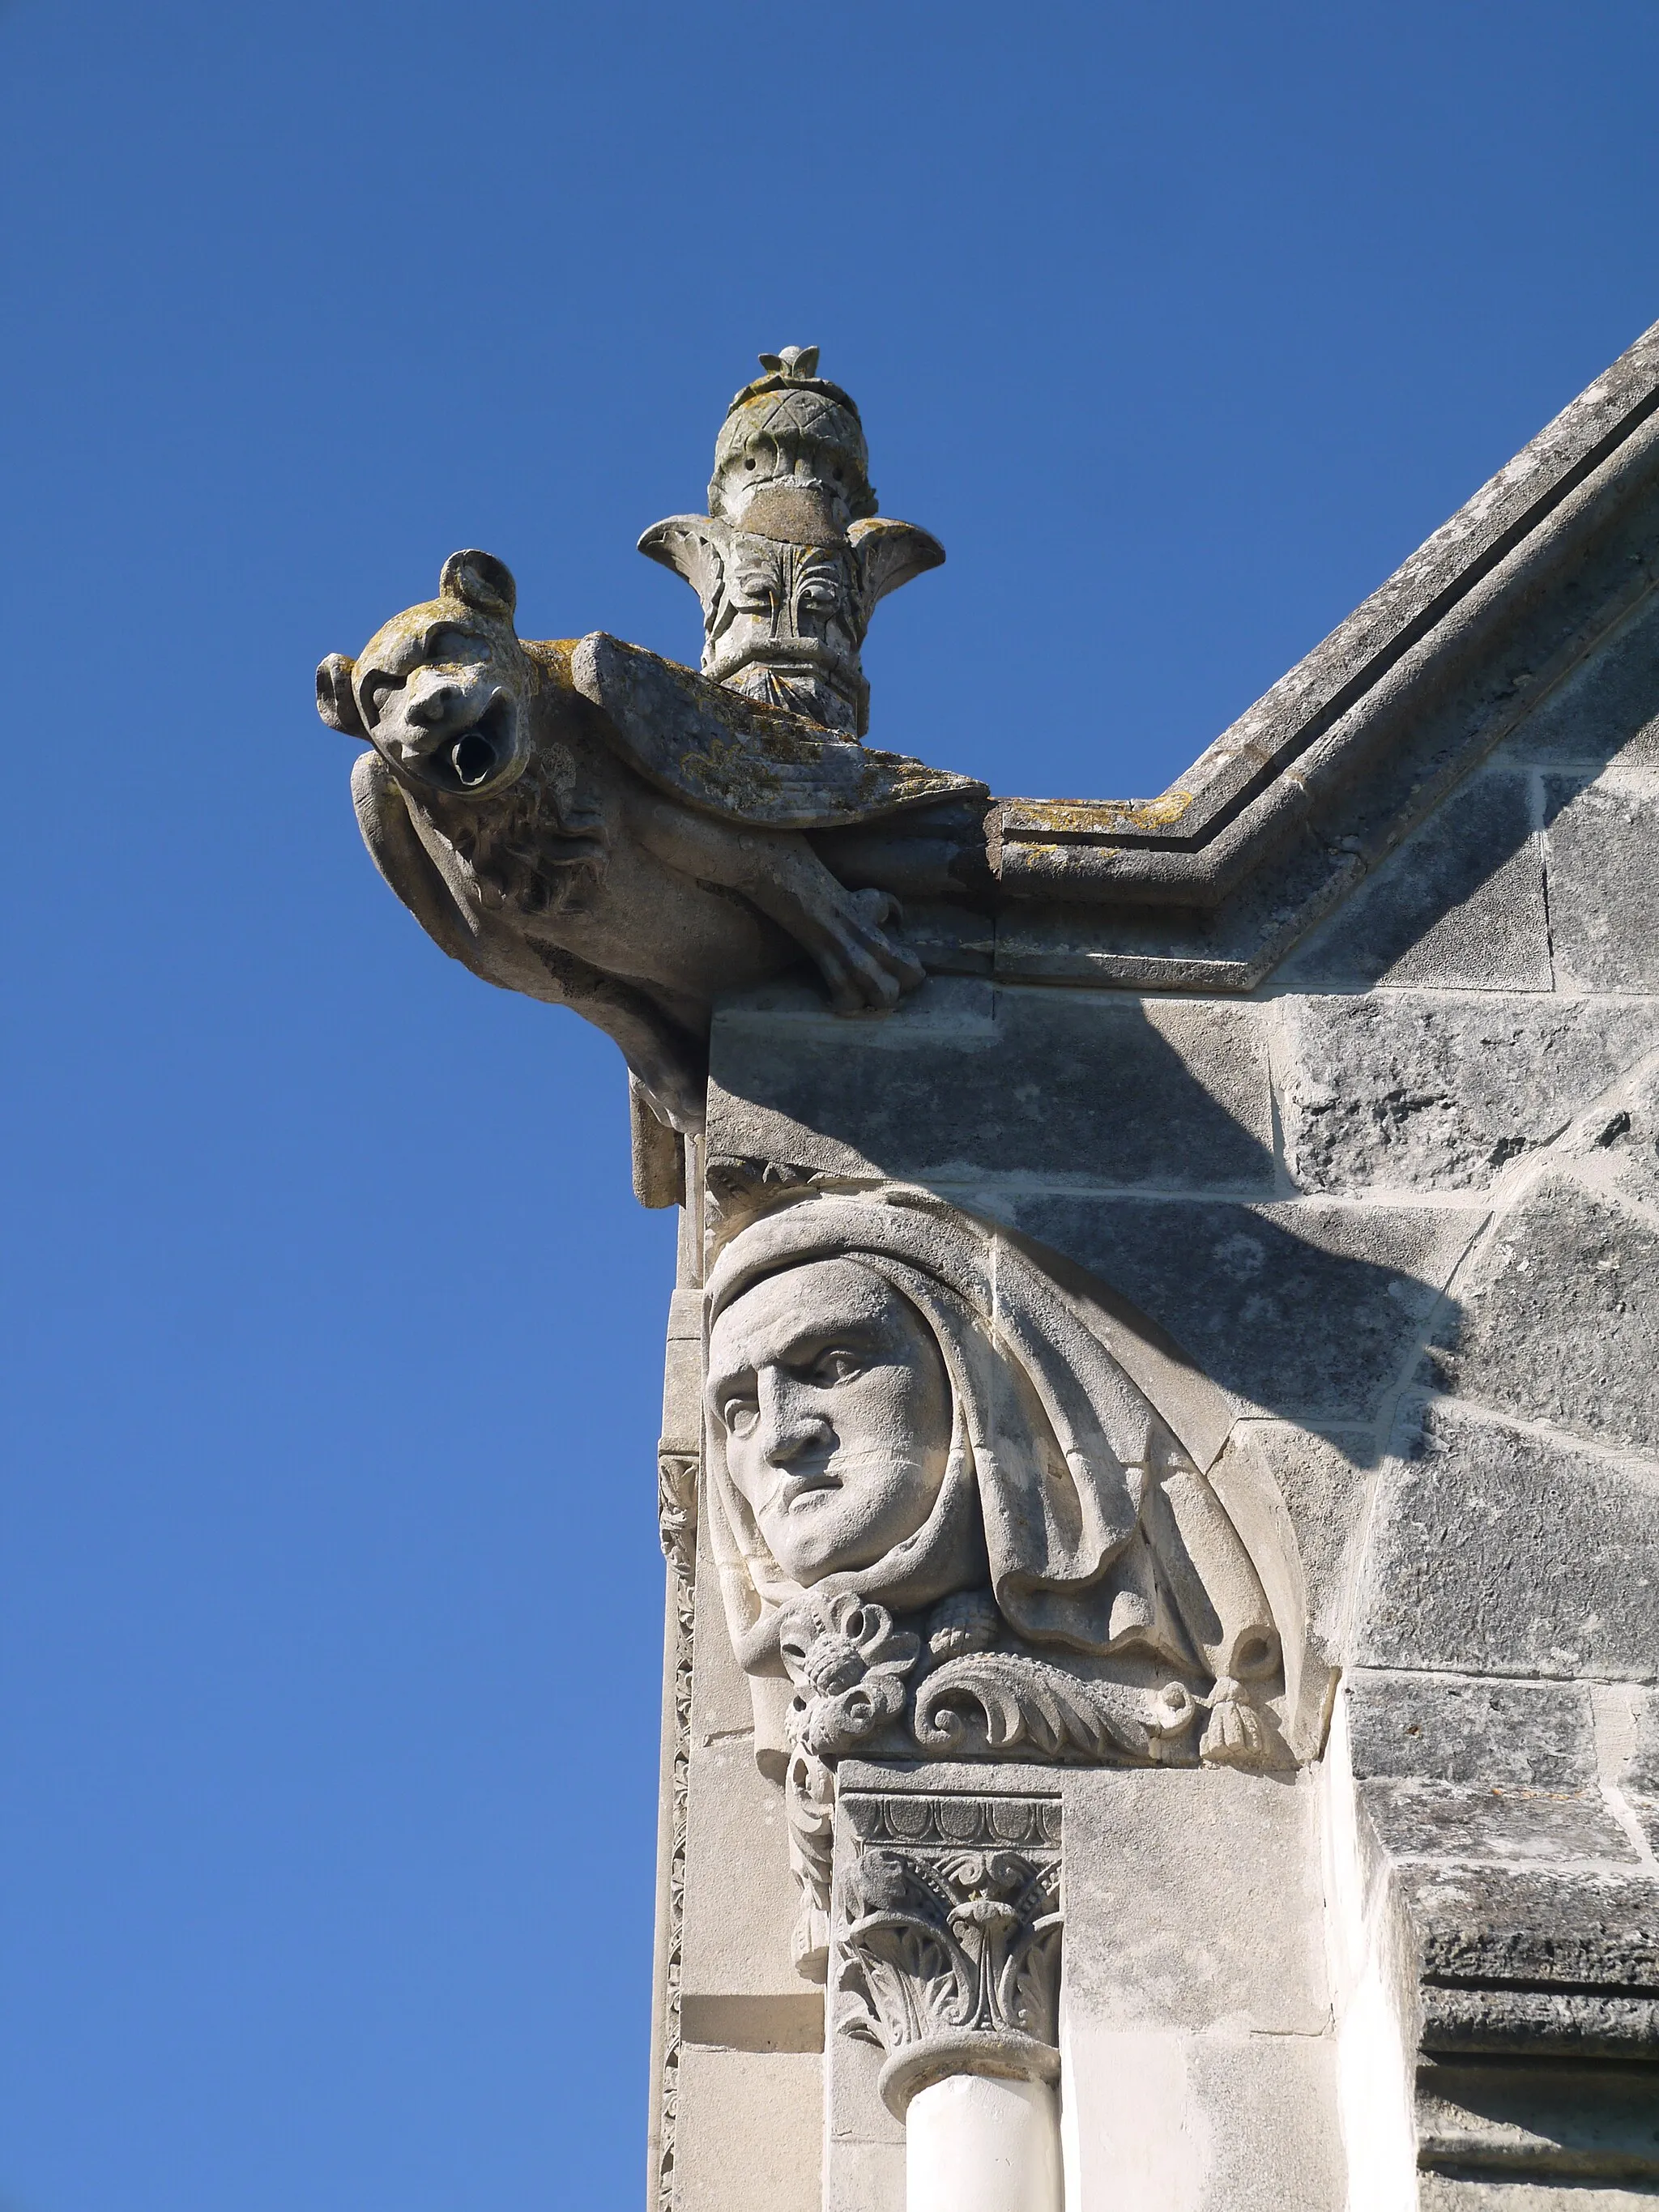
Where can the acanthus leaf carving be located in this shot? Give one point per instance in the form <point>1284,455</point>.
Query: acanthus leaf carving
<point>676,1509</point>
<point>951,1962</point>
<point>1013,1703</point>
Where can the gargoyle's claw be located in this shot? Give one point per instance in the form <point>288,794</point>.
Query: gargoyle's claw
<point>868,970</point>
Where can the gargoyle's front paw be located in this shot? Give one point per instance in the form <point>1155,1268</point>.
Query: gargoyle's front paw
<point>863,967</point>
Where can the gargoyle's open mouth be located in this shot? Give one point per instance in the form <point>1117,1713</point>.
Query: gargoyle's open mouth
<point>477,759</point>
<point>473,757</point>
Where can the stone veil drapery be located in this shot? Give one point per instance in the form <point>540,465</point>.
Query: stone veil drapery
<point>1066,1490</point>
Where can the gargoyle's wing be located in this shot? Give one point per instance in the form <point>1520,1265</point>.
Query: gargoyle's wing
<point>725,754</point>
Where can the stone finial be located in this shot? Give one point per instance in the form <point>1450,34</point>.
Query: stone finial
<point>791,559</point>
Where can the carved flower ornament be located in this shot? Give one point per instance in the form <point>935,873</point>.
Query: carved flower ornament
<point>850,1667</point>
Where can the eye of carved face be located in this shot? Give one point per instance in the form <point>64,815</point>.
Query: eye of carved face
<point>377,692</point>
<point>836,1409</point>
<point>819,591</point>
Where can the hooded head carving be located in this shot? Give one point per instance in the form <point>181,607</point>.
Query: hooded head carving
<point>901,1403</point>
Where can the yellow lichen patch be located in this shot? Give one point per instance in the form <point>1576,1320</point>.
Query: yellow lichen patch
<point>553,655</point>
<point>729,772</point>
<point>1094,818</point>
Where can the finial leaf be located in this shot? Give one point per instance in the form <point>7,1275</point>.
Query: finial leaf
<point>791,361</point>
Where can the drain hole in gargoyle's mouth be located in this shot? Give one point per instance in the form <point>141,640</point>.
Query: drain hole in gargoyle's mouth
<point>474,756</point>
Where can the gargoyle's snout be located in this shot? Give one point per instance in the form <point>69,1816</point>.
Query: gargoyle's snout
<point>443,740</point>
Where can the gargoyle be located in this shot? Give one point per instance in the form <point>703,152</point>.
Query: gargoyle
<point>600,829</point>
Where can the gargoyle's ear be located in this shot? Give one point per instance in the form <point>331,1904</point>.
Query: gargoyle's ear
<point>693,546</point>
<point>480,580</point>
<point>889,553</point>
<point>336,702</point>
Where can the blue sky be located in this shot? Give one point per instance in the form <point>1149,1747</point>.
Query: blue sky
<point>329,1587</point>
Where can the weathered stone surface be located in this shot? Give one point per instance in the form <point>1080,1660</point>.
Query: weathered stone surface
<point>1603,888</point>
<point>1528,1735</point>
<point>791,558</point>
<point>1405,1090</point>
<point>1535,1927</point>
<point>1309,1311</point>
<point>748,2134</point>
<point>1502,1551</point>
<point>864,2177</point>
<point>1192,1902</point>
<point>1446,2192</point>
<point>1460,903</point>
<point>739,1910</point>
<point>1638,1769</point>
<point>1162,2118</point>
<point>1504,1822</point>
<point>965,1080</point>
<point>1568,2123</point>
<point>1608,704</point>
<point>1557,1318</point>
<point>1297,1499</point>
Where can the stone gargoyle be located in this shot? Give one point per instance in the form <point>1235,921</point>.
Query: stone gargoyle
<point>595,827</point>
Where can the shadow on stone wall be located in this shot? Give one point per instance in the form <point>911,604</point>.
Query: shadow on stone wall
<point>1134,1138</point>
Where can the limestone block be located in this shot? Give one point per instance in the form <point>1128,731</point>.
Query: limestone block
<point>1639,1768</point>
<point>1608,704</point>
<point>1403,1090</point>
<point>864,2177</point>
<point>1603,888</point>
<point>1308,1310</point>
<point>1072,1085</point>
<point>857,2114</point>
<point>1541,2123</point>
<point>1164,2121</point>
<point>747,2138</point>
<point>1503,1821</point>
<point>1447,2192</point>
<point>1193,1902</point>
<point>1502,1551</point>
<point>1566,1927</point>
<point>1576,1272</point>
<point>1460,904</point>
<point>740,1901</point>
<point>1456,1727</point>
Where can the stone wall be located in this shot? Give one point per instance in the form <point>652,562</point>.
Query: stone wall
<point>1400,1204</point>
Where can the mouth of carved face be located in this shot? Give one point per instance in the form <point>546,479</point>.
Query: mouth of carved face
<point>796,656</point>
<point>473,757</point>
<point>476,758</point>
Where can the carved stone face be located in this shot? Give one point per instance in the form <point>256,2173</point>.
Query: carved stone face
<point>836,1412</point>
<point>785,627</point>
<point>442,692</point>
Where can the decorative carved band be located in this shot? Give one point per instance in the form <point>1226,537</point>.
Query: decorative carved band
<point>676,1509</point>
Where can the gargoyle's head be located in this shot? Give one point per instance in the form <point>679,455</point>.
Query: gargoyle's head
<point>442,692</point>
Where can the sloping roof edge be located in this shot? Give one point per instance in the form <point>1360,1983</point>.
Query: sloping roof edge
<point>1323,724</point>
